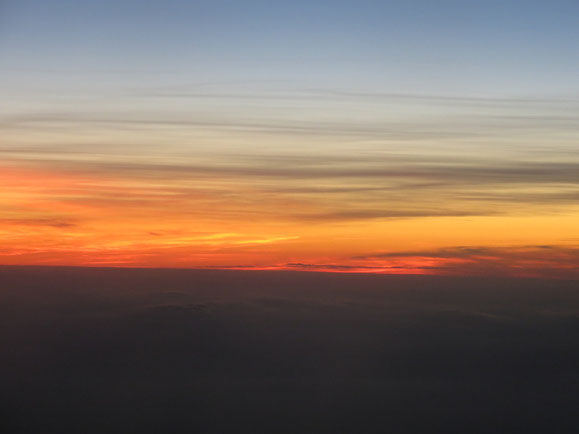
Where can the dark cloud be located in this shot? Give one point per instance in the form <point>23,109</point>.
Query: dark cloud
<point>452,252</point>
<point>567,195</point>
<point>535,260</point>
<point>472,172</point>
<point>468,251</point>
<point>390,214</point>
<point>304,266</point>
<point>205,91</point>
<point>48,222</point>
<point>444,99</point>
<point>328,189</point>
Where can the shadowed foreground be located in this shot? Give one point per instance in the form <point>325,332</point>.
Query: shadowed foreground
<point>167,351</point>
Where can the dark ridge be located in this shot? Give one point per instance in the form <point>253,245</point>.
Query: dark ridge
<point>121,350</point>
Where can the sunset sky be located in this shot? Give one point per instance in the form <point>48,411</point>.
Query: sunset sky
<point>417,136</point>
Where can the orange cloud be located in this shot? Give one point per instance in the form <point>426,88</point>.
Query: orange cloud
<point>56,216</point>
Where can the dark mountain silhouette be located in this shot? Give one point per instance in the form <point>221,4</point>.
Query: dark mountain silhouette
<point>171,351</point>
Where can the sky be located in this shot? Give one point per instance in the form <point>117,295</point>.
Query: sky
<point>372,136</point>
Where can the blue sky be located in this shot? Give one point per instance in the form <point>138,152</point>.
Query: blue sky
<point>322,131</point>
<point>456,47</point>
<point>495,77</point>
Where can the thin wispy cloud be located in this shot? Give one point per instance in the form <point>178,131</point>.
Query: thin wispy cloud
<point>407,135</point>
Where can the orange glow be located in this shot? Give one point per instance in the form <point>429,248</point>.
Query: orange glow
<point>55,217</point>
